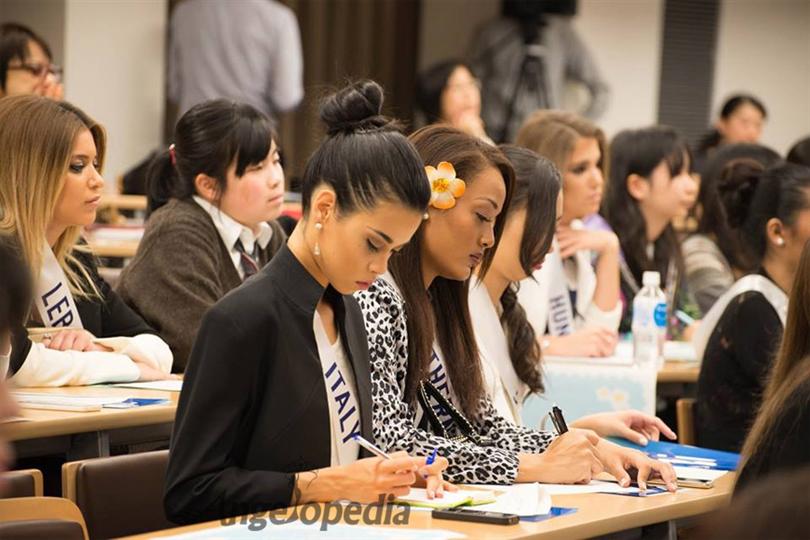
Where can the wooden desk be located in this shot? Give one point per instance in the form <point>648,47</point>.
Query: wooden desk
<point>122,202</point>
<point>87,434</point>
<point>679,372</point>
<point>597,514</point>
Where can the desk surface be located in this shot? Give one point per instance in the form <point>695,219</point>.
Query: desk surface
<point>46,423</point>
<point>596,514</point>
<point>679,372</point>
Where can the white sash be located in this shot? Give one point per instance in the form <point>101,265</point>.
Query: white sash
<point>560,310</point>
<point>493,344</point>
<point>344,410</point>
<point>752,282</point>
<point>53,300</point>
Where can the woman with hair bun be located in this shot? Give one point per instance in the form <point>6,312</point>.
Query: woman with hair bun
<point>278,384</point>
<point>739,336</point>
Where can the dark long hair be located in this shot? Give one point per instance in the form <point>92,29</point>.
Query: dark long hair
<point>537,186</point>
<point>790,370</point>
<point>752,195</point>
<point>640,151</point>
<point>207,139</point>
<point>713,219</point>
<point>364,158</point>
<point>713,138</point>
<point>442,312</point>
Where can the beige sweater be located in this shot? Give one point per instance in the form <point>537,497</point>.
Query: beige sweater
<point>181,269</point>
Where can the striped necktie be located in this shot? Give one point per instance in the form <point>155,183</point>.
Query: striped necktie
<point>248,261</point>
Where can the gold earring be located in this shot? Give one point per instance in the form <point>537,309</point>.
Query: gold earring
<point>317,250</point>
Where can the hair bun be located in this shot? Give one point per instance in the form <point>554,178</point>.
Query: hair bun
<point>354,108</point>
<point>738,184</point>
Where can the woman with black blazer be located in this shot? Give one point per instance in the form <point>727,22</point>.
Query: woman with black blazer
<point>278,382</point>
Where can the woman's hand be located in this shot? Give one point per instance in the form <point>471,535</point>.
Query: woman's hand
<point>73,340</point>
<point>591,342</point>
<point>571,240</point>
<point>570,459</point>
<point>635,426</point>
<point>622,462</point>
<point>430,477</point>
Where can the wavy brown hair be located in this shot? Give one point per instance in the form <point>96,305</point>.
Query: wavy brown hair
<point>442,311</point>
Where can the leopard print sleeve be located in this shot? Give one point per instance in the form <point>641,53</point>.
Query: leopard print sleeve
<point>510,436</point>
<point>394,420</point>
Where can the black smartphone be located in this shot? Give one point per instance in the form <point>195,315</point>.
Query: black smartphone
<point>465,514</point>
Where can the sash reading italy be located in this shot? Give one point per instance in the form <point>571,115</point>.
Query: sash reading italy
<point>53,301</point>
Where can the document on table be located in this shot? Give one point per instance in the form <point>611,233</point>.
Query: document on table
<point>298,531</point>
<point>170,385</point>
<point>449,499</point>
<point>524,500</point>
<point>65,402</point>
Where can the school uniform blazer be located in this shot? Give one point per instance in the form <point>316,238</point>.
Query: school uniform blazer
<point>254,410</point>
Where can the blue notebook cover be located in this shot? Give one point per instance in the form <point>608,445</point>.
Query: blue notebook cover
<point>717,459</point>
<point>131,403</point>
<point>555,512</point>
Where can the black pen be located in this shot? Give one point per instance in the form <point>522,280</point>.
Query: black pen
<point>559,421</point>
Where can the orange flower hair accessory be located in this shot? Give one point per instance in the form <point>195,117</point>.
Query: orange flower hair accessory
<point>445,188</point>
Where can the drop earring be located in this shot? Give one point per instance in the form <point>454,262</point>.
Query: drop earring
<point>317,250</point>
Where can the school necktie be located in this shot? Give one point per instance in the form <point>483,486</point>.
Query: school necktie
<point>248,261</point>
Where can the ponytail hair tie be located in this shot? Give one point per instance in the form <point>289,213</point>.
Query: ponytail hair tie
<point>172,155</point>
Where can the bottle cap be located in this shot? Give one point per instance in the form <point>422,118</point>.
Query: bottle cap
<point>651,278</point>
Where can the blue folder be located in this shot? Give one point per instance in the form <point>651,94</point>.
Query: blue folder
<point>723,461</point>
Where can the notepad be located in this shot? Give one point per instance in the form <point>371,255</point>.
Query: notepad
<point>170,385</point>
<point>64,402</point>
<point>451,499</point>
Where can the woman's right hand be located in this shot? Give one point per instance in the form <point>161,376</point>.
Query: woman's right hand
<point>571,458</point>
<point>591,342</point>
<point>366,479</point>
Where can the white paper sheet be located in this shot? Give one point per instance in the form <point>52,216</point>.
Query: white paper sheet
<point>172,385</point>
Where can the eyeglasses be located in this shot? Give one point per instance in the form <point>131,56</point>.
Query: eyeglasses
<point>38,70</point>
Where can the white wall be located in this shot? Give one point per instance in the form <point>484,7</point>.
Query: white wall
<point>114,70</point>
<point>624,37</point>
<point>764,49</point>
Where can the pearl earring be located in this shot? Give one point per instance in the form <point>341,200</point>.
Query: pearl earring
<point>780,241</point>
<point>317,250</point>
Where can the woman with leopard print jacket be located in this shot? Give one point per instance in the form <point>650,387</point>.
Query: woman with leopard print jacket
<point>419,329</point>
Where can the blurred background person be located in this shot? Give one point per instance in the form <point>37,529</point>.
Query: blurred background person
<point>26,64</point>
<point>524,60</point>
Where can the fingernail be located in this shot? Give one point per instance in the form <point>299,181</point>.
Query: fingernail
<point>624,482</point>
<point>430,494</point>
<point>642,441</point>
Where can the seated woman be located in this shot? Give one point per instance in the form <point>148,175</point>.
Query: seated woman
<point>15,297</point>
<point>278,384</point>
<point>510,353</point>
<point>214,195</point>
<point>50,187</point>
<point>741,120</point>
<point>449,93</point>
<point>780,435</point>
<point>26,64</point>
<point>573,300</point>
<point>739,336</point>
<point>428,384</point>
<point>713,256</point>
<point>650,185</point>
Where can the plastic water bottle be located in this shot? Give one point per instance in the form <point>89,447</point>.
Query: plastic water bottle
<point>649,322</point>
